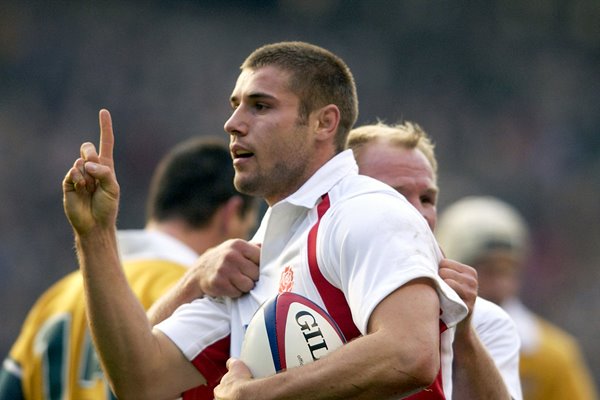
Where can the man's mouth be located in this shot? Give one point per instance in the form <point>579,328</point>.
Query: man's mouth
<point>242,154</point>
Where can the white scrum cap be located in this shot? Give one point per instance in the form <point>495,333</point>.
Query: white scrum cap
<point>474,226</point>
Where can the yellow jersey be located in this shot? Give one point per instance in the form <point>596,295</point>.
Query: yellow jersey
<point>53,357</point>
<point>555,369</point>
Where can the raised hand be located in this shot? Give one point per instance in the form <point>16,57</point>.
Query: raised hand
<point>90,188</point>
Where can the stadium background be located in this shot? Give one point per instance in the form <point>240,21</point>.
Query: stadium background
<point>509,90</point>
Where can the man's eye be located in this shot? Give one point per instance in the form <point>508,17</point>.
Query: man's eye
<point>427,200</point>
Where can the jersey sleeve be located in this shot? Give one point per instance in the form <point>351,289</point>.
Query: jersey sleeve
<point>53,356</point>
<point>379,249</point>
<point>498,333</point>
<point>202,330</point>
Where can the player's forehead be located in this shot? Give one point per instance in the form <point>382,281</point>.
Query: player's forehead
<point>400,167</point>
<point>389,157</point>
<point>268,82</point>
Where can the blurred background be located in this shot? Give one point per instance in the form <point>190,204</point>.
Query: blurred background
<point>509,90</point>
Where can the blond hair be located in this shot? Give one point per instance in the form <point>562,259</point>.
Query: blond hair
<point>407,134</point>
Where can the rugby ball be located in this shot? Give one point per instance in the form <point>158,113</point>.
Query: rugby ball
<point>288,331</point>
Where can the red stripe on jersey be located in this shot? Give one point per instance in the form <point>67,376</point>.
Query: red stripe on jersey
<point>337,306</point>
<point>334,299</point>
<point>211,363</point>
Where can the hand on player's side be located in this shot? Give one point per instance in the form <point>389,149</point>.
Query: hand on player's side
<point>229,269</point>
<point>463,279</point>
<point>232,383</point>
<point>90,187</point>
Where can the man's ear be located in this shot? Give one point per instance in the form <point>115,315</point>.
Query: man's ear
<point>327,121</point>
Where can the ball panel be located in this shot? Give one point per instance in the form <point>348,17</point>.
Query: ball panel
<point>271,310</point>
<point>256,347</point>
<point>309,336</point>
<point>288,331</point>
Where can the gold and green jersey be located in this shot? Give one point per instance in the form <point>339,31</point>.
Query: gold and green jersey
<point>53,357</point>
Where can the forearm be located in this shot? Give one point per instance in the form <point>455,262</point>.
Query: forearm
<point>184,291</point>
<point>138,363</point>
<point>399,356</point>
<point>475,375</point>
<point>342,375</point>
<point>118,322</point>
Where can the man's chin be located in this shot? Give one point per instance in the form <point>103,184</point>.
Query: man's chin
<point>245,185</point>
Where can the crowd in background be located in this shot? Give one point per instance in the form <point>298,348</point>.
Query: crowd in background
<point>508,90</point>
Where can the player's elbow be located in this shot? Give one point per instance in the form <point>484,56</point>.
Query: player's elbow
<point>139,393</point>
<point>426,368</point>
<point>416,372</point>
<point>124,392</point>
<point>137,386</point>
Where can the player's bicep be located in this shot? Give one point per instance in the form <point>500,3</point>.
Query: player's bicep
<point>406,326</point>
<point>410,314</point>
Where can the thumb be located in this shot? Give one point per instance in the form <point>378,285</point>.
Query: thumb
<point>238,368</point>
<point>105,176</point>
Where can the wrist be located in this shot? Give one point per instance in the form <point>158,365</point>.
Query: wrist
<point>190,287</point>
<point>465,337</point>
<point>97,239</point>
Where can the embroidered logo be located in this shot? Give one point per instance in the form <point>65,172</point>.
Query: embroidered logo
<point>286,282</point>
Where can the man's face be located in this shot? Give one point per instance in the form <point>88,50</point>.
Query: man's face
<point>406,170</point>
<point>498,276</point>
<point>271,150</point>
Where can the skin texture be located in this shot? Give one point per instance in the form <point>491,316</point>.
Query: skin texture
<point>475,375</point>
<point>91,195</point>
<point>142,363</point>
<point>410,173</point>
<point>393,371</point>
<point>229,269</point>
<point>217,214</point>
<point>263,108</point>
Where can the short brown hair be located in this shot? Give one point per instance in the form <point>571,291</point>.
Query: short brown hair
<point>318,77</point>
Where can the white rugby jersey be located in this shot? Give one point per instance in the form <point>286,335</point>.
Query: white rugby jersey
<point>370,241</point>
<point>498,333</point>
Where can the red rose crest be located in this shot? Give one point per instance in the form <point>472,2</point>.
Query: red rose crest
<point>286,282</point>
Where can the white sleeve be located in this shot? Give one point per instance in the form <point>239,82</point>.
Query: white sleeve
<point>196,326</point>
<point>370,252</point>
<point>498,333</point>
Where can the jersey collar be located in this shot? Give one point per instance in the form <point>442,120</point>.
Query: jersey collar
<point>321,182</point>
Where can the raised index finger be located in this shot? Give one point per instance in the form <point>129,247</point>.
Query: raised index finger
<point>107,138</point>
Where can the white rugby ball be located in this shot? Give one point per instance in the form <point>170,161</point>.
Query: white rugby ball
<point>288,331</point>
